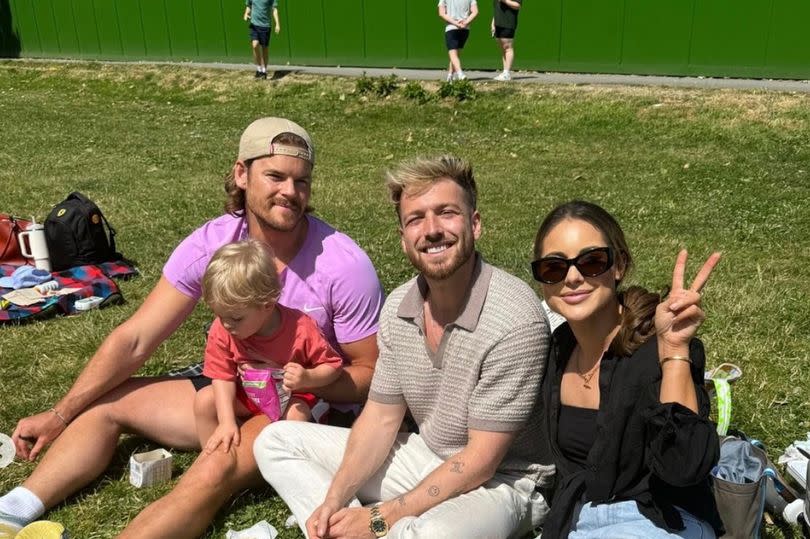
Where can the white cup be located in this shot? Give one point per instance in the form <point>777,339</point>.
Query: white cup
<point>37,247</point>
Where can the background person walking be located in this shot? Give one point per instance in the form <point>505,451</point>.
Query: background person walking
<point>258,13</point>
<point>458,14</point>
<point>504,25</point>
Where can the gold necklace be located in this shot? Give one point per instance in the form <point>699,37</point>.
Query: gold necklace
<point>586,377</point>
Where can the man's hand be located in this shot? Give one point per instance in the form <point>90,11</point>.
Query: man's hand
<point>226,435</point>
<point>295,377</point>
<point>351,523</point>
<point>246,16</point>
<point>34,433</point>
<point>318,523</point>
<point>278,28</point>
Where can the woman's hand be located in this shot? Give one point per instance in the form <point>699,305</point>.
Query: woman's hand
<point>678,317</point>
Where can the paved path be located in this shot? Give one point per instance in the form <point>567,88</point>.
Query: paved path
<point>525,77</point>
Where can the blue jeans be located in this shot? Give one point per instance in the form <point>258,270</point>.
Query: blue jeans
<point>623,519</point>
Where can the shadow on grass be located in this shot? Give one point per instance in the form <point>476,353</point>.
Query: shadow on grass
<point>281,73</point>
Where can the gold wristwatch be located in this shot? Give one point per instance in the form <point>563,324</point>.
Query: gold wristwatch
<point>378,525</point>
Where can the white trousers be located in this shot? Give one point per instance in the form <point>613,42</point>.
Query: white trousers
<point>299,460</point>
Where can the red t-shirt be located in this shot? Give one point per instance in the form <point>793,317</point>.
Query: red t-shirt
<point>297,340</point>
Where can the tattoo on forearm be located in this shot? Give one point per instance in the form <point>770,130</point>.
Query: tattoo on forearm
<point>456,466</point>
<point>401,500</point>
<point>433,491</point>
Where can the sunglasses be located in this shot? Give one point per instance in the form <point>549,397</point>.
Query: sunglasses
<point>591,263</point>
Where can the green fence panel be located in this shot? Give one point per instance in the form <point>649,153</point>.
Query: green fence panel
<point>591,34</point>
<point>210,31</point>
<point>66,29</point>
<point>537,41</point>
<point>23,25</point>
<point>84,17</point>
<point>760,38</point>
<point>425,40</point>
<point>129,24</point>
<point>109,32</point>
<point>306,29</point>
<point>182,35</point>
<point>48,36</point>
<point>656,35</point>
<point>237,46</point>
<point>385,33</point>
<point>343,31</point>
<point>788,51</point>
<point>155,30</point>
<point>730,35</point>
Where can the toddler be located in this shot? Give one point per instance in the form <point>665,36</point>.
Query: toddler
<point>252,331</point>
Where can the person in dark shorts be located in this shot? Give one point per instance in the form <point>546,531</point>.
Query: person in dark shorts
<point>504,25</point>
<point>258,13</point>
<point>458,14</point>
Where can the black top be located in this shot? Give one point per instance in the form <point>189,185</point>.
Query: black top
<point>504,16</point>
<point>576,433</point>
<point>659,455</point>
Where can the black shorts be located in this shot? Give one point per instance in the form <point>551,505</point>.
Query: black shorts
<point>455,39</point>
<point>260,34</point>
<point>504,33</point>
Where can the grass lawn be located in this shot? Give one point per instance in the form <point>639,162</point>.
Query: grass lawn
<point>727,170</point>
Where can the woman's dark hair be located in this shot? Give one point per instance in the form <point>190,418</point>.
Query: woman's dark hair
<point>638,313</point>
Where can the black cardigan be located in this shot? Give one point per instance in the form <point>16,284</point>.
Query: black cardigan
<point>659,455</point>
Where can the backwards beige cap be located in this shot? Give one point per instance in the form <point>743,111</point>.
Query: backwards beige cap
<point>257,140</point>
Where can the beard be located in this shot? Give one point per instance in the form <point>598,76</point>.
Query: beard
<point>267,215</point>
<point>440,270</point>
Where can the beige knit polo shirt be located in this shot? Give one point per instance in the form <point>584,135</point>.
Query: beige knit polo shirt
<point>485,374</point>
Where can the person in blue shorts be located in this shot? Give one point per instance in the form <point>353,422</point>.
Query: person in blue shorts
<point>258,13</point>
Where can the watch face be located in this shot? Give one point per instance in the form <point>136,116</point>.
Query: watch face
<point>378,527</point>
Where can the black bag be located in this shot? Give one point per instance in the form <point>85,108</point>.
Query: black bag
<point>75,234</point>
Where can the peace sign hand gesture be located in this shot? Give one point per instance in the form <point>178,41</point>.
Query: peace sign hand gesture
<point>678,317</point>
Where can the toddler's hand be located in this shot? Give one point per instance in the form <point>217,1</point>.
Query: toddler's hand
<point>295,377</point>
<point>225,435</point>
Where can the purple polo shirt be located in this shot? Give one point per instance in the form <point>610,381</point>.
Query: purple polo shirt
<point>331,278</point>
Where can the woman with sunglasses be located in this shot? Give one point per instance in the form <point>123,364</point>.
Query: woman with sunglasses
<point>627,415</point>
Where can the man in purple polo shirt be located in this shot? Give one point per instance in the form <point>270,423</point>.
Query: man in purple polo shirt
<point>323,273</point>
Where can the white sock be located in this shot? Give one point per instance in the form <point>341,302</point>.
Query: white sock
<point>258,68</point>
<point>22,504</point>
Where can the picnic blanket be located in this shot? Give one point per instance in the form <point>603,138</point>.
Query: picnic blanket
<point>91,280</point>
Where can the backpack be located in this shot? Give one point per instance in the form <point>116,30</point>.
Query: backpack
<point>75,234</point>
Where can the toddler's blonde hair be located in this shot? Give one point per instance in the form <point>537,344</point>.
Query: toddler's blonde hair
<point>241,274</point>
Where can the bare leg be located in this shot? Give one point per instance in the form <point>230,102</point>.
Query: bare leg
<point>449,69</point>
<point>188,509</point>
<point>455,62</point>
<point>508,53</point>
<point>257,53</point>
<point>156,408</point>
<point>265,56</point>
<point>205,414</point>
<point>297,410</point>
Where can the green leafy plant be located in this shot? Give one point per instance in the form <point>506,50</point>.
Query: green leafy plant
<point>413,90</point>
<point>461,90</point>
<point>385,86</point>
<point>364,85</point>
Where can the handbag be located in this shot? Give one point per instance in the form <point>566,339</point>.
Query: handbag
<point>10,227</point>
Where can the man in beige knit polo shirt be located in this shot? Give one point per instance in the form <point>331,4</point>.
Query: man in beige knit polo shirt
<point>463,347</point>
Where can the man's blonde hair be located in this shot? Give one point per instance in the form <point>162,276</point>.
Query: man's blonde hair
<point>241,274</point>
<point>416,175</point>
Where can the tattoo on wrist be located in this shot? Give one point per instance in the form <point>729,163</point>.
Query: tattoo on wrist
<point>456,466</point>
<point>401,500</point>
<point>433,491</point>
